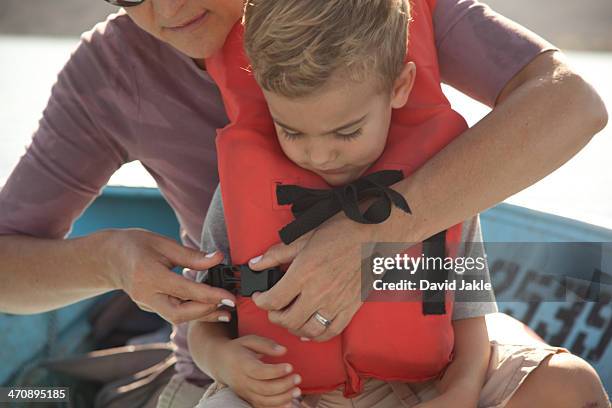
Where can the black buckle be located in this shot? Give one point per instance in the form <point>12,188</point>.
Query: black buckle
<point>250,281</point>
<point>222,276</point>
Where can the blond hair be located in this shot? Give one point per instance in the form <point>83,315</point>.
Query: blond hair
<point>295,46</point>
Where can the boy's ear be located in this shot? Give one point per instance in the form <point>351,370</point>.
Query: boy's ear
<point>403,85</point>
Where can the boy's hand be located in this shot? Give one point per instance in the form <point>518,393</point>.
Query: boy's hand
<point>262,385</point>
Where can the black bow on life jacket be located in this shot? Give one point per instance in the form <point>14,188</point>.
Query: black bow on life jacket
<point>312,207</point>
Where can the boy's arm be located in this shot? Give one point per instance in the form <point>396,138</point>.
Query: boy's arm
<point>462,382</point>
<point>204,340</point>
<point>464,377</point>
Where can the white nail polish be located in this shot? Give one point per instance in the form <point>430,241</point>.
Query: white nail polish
<point>228,302</point>
<point>224,319</point>
<point>304,339</point>
<point>211,254</point>
<point>256,259</point>
<point>296,393</point>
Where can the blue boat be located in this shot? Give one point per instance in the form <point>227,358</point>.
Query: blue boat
<point>584,326</point>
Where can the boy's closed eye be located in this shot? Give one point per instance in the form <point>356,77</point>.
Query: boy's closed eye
<point>350,135</point>
<point>291,135</point>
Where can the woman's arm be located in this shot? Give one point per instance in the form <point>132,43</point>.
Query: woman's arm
<point>543,117</point>
<point>44,274</point>
<point>70,159</point>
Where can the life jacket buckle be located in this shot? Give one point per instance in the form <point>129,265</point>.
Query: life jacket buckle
<point>223,276</point>
<point>250,281</point>
<point>258,281</point>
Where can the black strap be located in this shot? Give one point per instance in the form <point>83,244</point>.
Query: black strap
<point>434,299</point>
<point>312,207</point>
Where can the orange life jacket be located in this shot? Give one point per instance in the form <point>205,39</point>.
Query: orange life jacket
<point>388,340</point>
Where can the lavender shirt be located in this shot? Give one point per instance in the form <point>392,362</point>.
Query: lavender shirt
<point>124,95</point>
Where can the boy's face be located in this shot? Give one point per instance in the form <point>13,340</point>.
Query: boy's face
<point>339,132</point>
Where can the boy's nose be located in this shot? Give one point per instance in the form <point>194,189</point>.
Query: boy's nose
<point>320,157</point>
<point>168,8</point>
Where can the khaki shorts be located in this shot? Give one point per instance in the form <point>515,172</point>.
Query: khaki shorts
<point>509,366</point>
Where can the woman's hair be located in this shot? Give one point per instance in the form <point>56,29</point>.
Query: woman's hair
<point>295,46</point>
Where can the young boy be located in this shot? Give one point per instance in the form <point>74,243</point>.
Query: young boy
<point>331,107</point>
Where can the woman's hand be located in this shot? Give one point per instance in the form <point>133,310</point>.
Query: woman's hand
<point>140,264</point>
<point>262,385</point>
<point>324,278</point>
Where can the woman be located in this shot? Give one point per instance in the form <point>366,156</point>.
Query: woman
<point>137,89</point>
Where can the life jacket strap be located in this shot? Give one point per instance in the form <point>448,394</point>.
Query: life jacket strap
<point>312,207</point>
<point>434,299</point>
<point>241,279</point>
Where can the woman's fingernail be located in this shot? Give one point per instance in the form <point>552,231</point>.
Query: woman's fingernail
<point>228,302</point>
<point>304,339</point>
<point>219,305</point>
<point>256,259</point>
<point>211,254</point>
<point>296,393</point>
<point>288,368</point>
<point>297,379</point>
<point>278,347</point>
<point>224,319</point>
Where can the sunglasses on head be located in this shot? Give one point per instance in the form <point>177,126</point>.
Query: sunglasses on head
<point>125,3</point>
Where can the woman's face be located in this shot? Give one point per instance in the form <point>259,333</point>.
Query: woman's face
<point>197,28</point>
